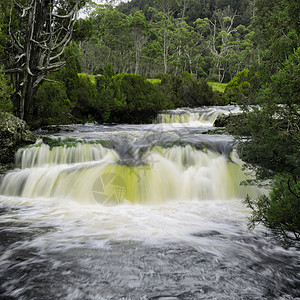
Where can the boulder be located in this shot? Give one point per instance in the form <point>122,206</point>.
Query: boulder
<point>221,120</point>
<point>14,134</point>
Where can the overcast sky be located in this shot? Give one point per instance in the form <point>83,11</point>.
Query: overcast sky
<point>87,10</point>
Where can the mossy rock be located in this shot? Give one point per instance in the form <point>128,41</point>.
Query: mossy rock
<point>14,133</point>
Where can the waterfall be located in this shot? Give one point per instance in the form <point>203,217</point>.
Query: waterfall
<point>45,155</point>
<point>89,173</point>
<point>200,116</point>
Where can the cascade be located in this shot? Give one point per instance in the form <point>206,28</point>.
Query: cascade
<point>93,174</point>
<point>43,154</point>
<point>157,207</point>
<point>200,116</point>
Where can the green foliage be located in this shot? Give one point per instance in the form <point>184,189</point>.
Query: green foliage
<point>217,86</point>
<point>274,128</point>
<point>154,80</point>
<point>82,97</point>
<point>143,98</point>
<point>276,33</point>
<point>127,98</point>
<point>69,74</point>
<point>186,90</point>
<point>285,84</point>
<point>52,105</point>
<point>6,91</point>
<point>83,29</point>
<point>273,146</point>
<point>159,36</point>
<point>242,88</point>
<point>280,210</point>
<point>91,78</point>
<point>109,98</point>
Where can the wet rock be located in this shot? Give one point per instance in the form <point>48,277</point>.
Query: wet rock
<point>221,120</point>
<point>14,133</point>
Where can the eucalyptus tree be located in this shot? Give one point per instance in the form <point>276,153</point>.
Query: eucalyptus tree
<point>112,31</point>
<point>183,4</point>
<point>37,34</point>
<point>138,28</point>
<point>186,53</point>
<point>220,42</point>
<point>162,23</point>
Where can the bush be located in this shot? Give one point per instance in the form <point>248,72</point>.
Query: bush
<point>273,150</point>
<point>285,84</point>
<point>127,98</point>
<point>109,100</point>
<point>143,99</point>
<point>186,90</point>
<point>280,210</point>
<point>242,88</point>
<point>82,97</point>
<point>51,106</point>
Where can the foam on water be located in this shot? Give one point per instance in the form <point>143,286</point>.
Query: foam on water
<point>141,220</point>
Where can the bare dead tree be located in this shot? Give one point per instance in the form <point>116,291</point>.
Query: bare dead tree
<point>38,33</point>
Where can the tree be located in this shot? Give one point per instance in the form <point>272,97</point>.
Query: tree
<point>220,43</point>
<point>164,28</point>
<point>37,34</point>
<point>184,5</point>
<point>273,146</point>
<point>5,87</point>
<point>138,27</point>
<point>112,35</point>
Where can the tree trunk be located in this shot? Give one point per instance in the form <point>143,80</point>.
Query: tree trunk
<point>36,47</point>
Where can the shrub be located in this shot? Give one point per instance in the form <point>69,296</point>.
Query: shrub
<point>280,210</point>
<point>143,99</point>
<point>109,100</point>
<point>186,90</point>
<point>51,105</point>
<point>82,98</point>
<point>242,88</point>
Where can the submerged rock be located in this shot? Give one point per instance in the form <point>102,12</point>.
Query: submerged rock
<point>14,133</point>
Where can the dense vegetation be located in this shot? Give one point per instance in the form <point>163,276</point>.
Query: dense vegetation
<point>273,128</point>
<point>211,39</point>
<point>185,47</point>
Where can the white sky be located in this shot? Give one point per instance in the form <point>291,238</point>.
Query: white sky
<point>83,13</point>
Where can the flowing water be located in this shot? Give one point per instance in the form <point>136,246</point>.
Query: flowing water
<point>137,212</point>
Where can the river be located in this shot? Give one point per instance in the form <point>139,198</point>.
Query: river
<point>149,211</point>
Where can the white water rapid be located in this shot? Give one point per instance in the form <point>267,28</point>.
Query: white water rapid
<point>137,212</point>
<point>201,116</point>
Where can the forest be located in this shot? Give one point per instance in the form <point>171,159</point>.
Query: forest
<point>124,63</point>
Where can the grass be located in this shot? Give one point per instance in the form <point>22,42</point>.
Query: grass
<point>93,78</point>
<point>217,86</point>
